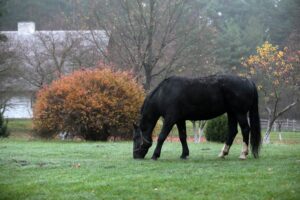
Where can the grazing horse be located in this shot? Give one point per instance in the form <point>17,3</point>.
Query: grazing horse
<point>177,99</point>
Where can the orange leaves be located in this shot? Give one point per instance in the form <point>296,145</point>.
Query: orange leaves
<point>273,70</point>
<point>271,64</point>
<point>89,101</point>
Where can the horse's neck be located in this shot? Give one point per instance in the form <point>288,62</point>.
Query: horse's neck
<point>147,125</point>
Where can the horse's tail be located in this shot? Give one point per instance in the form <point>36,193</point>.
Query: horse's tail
<point>255,139</point>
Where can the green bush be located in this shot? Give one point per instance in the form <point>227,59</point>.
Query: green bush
<point>3,127</point>
<point>217,129</point>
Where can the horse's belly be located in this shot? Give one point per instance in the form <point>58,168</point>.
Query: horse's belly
<point>203,112</point>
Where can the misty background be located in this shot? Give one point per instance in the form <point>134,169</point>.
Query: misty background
<point>155,39</point>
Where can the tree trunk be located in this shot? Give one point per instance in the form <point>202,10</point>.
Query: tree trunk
<point>273,115</point>
<point>196,139</point>
<point>201,133</point>
<point>148,76</point>
<point>268,132</point>
<point>198,133</point>
<point>201,129</point>
<point>271,120</point>
<point>148,63</point>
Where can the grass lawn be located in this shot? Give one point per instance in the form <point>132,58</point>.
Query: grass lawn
<point>20,128</point>
<point>36,169</point>
<point>93,170</point>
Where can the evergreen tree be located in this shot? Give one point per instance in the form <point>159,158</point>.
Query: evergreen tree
<point>3,127</point>
<point>243,25</point>
<point>3,56</point>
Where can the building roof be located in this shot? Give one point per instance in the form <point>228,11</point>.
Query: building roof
<point>26,33</point>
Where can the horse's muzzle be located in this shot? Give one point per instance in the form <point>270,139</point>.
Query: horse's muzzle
<point>137,156</point>
<point>140,154</point>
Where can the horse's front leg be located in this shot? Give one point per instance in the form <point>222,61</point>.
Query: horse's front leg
<point>182,136</point>
<point>167,126</point>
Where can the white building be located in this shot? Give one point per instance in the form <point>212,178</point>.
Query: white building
<point>41,55</point>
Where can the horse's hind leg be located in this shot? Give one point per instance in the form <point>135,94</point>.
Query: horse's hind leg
<point>232,125</point>
<point>242,119</point>
<point>167,126</point>
<point>182,136</point>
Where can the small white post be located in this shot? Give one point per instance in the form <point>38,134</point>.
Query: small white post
<point>294,122</point>
<point>280,137</point>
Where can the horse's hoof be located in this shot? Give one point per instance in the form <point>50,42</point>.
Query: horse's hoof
<point>243,157</point>
<point>154,158</point>
<point>222,155</point>
<point>184,157</point>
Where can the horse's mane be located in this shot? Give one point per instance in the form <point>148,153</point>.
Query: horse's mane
<point>150,95</point>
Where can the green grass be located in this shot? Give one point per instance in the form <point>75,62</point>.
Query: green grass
<point>35,169</point>
<point>20,125</point>
<point>20,128</point>
<point>86,170</point>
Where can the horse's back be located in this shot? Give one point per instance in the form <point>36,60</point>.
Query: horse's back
<point>202,98</point>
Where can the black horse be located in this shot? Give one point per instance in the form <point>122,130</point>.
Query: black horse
<point>177,99</point>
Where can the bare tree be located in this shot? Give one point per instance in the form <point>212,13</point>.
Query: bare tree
<point>35,66</point>
<point>7,72</point>
<point>151,37</point>
<point>50,54</point>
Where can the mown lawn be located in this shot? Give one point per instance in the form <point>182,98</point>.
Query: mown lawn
<point>20,128</point>
<point>87,170</point>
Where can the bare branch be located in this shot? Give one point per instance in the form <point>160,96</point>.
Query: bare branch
<point>288,107</point>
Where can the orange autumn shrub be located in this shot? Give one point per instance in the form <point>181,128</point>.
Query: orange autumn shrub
<point>93,104</point>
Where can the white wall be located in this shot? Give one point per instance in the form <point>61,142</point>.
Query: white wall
<point>20,108</point>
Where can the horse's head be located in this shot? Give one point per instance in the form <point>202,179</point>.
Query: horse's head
<point>140,144</point>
